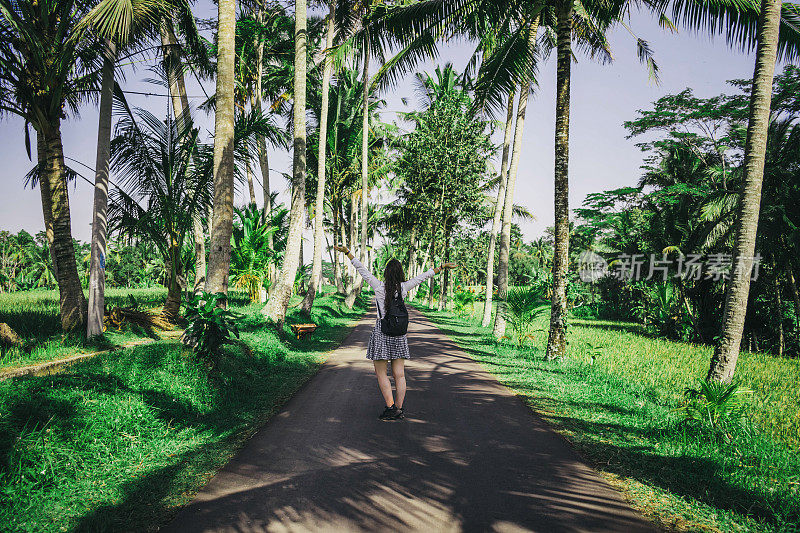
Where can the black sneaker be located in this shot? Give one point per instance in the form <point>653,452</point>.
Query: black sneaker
<point>399,414</point>
<point>389,413</point>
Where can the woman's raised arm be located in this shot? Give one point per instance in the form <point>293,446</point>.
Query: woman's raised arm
<point>366,274</point>
<point>416,280</point>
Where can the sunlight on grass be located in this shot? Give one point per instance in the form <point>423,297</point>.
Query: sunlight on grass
<point>667,368</point>
<point>34,316</point>
<point>621,414</point>
<point>117,442</point>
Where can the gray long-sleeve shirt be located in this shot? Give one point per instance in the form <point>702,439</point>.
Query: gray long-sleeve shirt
<point>378,286</point>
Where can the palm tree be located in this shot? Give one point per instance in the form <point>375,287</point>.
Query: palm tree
<point>222,219</point>
<point>47,69</point>
<point>276,47</point>
<point>508,203</point>
<point>264,49</point>
<point>357,14</point>
<point>557,339</point>
<point>174,53</point>
<point>115,22</point>
<point>498,210</point>
<point>319,204</point>
<point>276,307</point>
<point>250,252</point>
<point>343,139</point>
<point>97,278</point>
<point>165,183</point>
<point>364,157</point>
<point>723,362</point>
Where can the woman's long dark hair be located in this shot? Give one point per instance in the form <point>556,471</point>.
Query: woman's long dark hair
<point>393,276</point>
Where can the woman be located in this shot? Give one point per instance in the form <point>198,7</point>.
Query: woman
<point>382,348</point>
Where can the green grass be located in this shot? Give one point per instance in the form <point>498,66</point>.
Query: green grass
<point>118,442</point>
<point>621,414</point>
<point>34,316</point>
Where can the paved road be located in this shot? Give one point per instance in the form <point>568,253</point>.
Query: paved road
<point>469,457</point>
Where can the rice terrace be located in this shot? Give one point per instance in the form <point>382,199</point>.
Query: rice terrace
<point>400,265</point>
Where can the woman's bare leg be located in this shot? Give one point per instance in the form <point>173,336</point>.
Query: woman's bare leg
<point>398,371</point>
<point>384,383</point>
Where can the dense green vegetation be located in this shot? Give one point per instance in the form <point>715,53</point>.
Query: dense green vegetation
<point>720,185</point>
<point>118,442</point>
<point>34,316</point>
<point>617,396</point>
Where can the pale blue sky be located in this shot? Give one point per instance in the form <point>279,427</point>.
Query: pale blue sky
<point>603,97</point>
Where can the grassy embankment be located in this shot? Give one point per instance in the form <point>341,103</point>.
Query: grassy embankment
<point>116,443</point>
<point>621,413</point>
<point>34,316</point>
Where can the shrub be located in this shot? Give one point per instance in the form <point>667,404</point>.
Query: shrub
<point>522,307</point>
<point>464,303</point>
<point>661,312</point>
<point>210,326</point>
<point>720,405</point>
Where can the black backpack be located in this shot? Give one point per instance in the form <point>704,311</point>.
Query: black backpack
<point>395,322</point>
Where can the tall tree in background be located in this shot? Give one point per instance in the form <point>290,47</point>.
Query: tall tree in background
<point>222,219</point>
<point>508,203</point>
<point>97,277</point>
<point>364,157</point>
<point>115,22</point>
<point>498,211</point>
<point>353,14</point>
<point>557,339</point>
<point>173,65</point>
<point>165,184</point>
<point>263,156</point>
<point>279,299</point>
<point>47,69</point>
<point>319,204</point>
<point>723,362</point>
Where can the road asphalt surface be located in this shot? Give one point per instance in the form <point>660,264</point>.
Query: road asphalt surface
<point>470,456</point>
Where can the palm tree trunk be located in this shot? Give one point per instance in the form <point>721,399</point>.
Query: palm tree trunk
<point>424,263</point>
<point>263,156</point>
<point>55,205</point>
<point>779,311</point>
<point>443,290</point>
<point>250,186</point>
<point>430,286</point>
<point>498,211</point>
<point>499,329</point>
<point>337,266</point>
<point>557,339</point>
<point>180,107</point>
<point>412,255</point>
<point>222,221</point>
<point>364,168</point>
<point>300,263</point>
<point>319,211</point>
<point>41,155</point>
<point>172,61</point>
<point>346,266</point>
<point>355,279</point>
<point>276,307</point>
<point>97,273</point>
<point>723,362</point>
<point>172,306</point>
<point>264,161</point>
<point>795,298</point>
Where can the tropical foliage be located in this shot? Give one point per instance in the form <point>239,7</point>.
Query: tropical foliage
<point>685,207</point>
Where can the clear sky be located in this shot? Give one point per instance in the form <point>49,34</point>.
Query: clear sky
<point>603,97</point>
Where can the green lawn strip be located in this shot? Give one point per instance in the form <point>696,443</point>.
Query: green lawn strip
<point>623,420</point>
<point>34,316</point>
<point>120,441</point>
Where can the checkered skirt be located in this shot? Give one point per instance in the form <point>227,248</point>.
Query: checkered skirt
<point>386,348</point>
